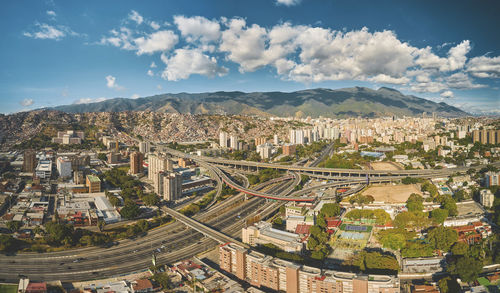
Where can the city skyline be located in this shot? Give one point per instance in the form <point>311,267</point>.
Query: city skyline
<point>89,52</point>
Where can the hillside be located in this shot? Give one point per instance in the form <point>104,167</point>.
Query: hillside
<point>339,103</point>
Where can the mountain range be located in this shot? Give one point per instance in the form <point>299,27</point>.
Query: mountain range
<point>338,103</point>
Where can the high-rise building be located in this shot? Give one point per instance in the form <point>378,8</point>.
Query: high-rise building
<point>135,162</point>
<point>276,139</point>
<point>260,140</point>
<point>223,139</point>
<point>63,165</point>
<point>29,162</point>
<point>289,150</point>
<point>113,158</point>
<point>78,177</point>
<point>156,164</point>
<point>93,183</point>
<point>265,150</point>
<point>491,178</point>
<point>144,147</point>
<point>234,142</point>
<point>172,185</point>
<point>486,198</point>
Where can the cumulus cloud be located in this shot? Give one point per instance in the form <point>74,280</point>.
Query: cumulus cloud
<point>456,58</point>
<point>156,42</point>
<point>461,80</point>
<point>153,65</point>
<point>150,72</point>
<point>46,31</point>
<point>447,94</point>
<point>89,100</point>
<point>288,2</point>
<point>197,28</point>
<point>26,102</point>
<point>185,62</point>
<point>154,25</point>
<point>51,13</point>
<point>135,16</point>
<point>484,67</point>
<point>111,83</point>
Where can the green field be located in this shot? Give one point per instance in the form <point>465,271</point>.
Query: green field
<point>4,288</point>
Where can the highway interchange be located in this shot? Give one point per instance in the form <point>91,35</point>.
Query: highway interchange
<point>180,242</point>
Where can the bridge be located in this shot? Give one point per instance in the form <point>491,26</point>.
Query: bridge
<point>199,227</point>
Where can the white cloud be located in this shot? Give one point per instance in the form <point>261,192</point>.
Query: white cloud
<point>186,62</point>
<point>456,58</point>
<point>51,13</point>
<point>288,2</point>
<point>153,65</point>
<point>46,31</point>
<point>135,16</point>
<point>154,25</point>
<point>484,67</point>
<point>447,94</point>
<point>383,78</point>
<point>156,42</point>
<point>461,80</point>
<point>111,83</point>
<point>26,102</point>
<point>197,28</point>
<point>135,96</point>
<point>89,100</point>
<point>150,72</point>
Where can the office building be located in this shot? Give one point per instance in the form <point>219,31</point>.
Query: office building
<point>223,139</point>
<point>135,162</point>
<point>44,169</point>
<point>297,136</point>
<point>69,137</point>
<point>233,142</point>
<point>486,198</point>
<point>265,150</point>
<point>78,177</point>
<point>264,271</point>
<point>263,232</point>
<point>144,147</point>
<point>93,183</point>
<point>63,165</point>
<point>29,162</point>
<point>491,178</point>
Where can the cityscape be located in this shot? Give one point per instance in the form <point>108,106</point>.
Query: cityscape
<point>232,146</point>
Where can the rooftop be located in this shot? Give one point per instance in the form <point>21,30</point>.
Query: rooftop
<point>93,179</point>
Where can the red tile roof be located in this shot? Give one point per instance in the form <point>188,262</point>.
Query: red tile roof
<point>302,229</point>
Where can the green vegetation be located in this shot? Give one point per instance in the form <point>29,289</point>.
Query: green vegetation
<point>130,210</point>
<point>163,280</point>
<point>303,180</point>
<point>381,217</point>
<point>187,148</point>
<point>411,180</point>
<point>442,238</point>
<point>415,203</point>
<point>14,225</point>
<point>273,250</point>
<point>361,199</point>
<point>448,203</point>
<point>346,161</point>
<point>197,206</point>
<point>6,288</point>
<point>439,215</point>
<point>411,220</point>
<point>466,267</point>
<point>264,175</point>
<point>429,187</point>
<point>374,262</point>
<point>330,210</point>
<point>306,151</point>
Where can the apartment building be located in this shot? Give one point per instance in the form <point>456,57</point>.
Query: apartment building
<point>265,271</point>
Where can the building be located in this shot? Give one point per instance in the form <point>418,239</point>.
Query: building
<point>113,158</point>
<point>264,271</point>
<point>263,233</point>
<point>297,136</point>
<point>172,185</point>
<point>289,149</point>
<point>423,264</point>
<point>486,198</point>
<point>29,162</point>
<point>63,165</point>
<point>223,139</point>
<point>491,178</point>
<point>233,142</point>
<point>142,286</point>
<point>136,162</point>
<point>78,177</point>
<point>144,147</point>
<point>69,137</point>
<point>44,169</point>
<point>265,150</point>
<point>93,183</point>
<point>260,140</point>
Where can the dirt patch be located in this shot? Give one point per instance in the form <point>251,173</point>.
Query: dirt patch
<point>385,166</point>
<point>392,193</point>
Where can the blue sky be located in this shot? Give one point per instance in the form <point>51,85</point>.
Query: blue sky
<point>64,52</point>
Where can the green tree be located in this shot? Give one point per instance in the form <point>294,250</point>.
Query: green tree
<point>330,209</point>
<point>130,210</point>
<point>143,225</point>
<point>442,238</point>
<point>459,248</point>
<point>448,285</point>
<point>459,195</point>
<point>151,199</point>
<point>439,215</point>
<point>415,203</point>
<point>14,225</point>
<point>102,156</point>
<point>163,280</point>
<point>467,268</point>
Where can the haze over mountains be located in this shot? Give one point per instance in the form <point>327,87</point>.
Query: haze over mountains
<point>339,103</point>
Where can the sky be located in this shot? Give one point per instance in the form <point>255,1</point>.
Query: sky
<point>65,52</point>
